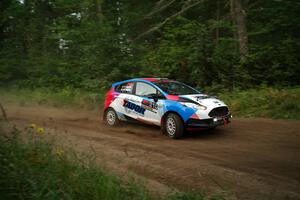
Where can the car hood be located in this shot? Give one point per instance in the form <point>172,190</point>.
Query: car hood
<point>205,100</point>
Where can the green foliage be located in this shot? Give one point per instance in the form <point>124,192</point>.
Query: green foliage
<point>264,102</point>
<point>33,167</point>
<point>54,51</point>
<point>79,44</point>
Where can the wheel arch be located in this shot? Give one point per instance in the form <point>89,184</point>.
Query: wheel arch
<point>163,118</point>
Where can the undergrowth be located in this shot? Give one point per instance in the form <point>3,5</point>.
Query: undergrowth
<point>32,167</point>
<point>264,102</point>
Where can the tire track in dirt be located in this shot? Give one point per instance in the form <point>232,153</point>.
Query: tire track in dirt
<point>249,159</point>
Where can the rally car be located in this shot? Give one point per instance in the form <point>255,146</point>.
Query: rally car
<point>172,105</point>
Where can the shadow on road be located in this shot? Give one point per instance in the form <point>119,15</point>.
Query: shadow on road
<point>154,131</point>
<point>205,134</point>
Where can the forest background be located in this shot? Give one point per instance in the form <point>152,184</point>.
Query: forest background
<point>239,49</point>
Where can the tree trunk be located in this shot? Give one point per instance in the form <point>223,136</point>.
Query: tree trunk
<point>26,38</point>
<point>239,19</point>
<point>1,27</point>
<point>218,18</point>
<point>98,10</point>
<point>3,112</point>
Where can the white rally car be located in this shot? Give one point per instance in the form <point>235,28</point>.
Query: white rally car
<point>170,104</point>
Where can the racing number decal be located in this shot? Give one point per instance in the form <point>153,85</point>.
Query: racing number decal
<point>149,105</point>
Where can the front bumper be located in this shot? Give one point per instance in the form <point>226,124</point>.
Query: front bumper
<point>208,123</point>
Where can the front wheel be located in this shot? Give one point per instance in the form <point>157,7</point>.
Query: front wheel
<point>111,117</point>
<point>174,126</point>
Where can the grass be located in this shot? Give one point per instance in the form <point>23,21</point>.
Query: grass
<point>32,167</point>
<point>264,102</point>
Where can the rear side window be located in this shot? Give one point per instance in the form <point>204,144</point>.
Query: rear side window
<point>144,89</point>
<point>125,88</point>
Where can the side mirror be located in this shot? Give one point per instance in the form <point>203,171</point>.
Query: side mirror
<point>153,96</point>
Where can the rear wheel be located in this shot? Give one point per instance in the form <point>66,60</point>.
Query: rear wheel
<point>174,126</point>
<point>111,117</point>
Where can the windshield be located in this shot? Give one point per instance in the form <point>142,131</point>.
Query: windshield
<point>176,88</point>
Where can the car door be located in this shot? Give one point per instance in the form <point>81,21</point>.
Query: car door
<point>124,104</point>
<point>144,94</point>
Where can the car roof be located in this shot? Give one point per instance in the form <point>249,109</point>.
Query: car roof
<point>151,80</point>
<point>154,79</point>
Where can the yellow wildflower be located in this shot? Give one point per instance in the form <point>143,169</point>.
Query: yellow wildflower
<point>58,151</point>
<point>40,131</point>
<point>32,125</point>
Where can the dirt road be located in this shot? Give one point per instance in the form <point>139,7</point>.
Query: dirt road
<point>248,159</point>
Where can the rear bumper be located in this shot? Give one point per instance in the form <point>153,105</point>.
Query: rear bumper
<point>208,123</point>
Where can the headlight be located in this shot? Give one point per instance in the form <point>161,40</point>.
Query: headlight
<point>193,105</point>
<point>200,107</point>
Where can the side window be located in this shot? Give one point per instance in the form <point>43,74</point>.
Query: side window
<point>125,88</point>
<point>144,89</point>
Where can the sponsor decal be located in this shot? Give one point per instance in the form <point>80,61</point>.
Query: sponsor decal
<point>217,102</point>
<point>149,105</point>
<point>131,106</point>
<point>127,88</point>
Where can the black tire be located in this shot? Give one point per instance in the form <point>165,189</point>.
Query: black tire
<point>173,126</point>
<point>111,117</point>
